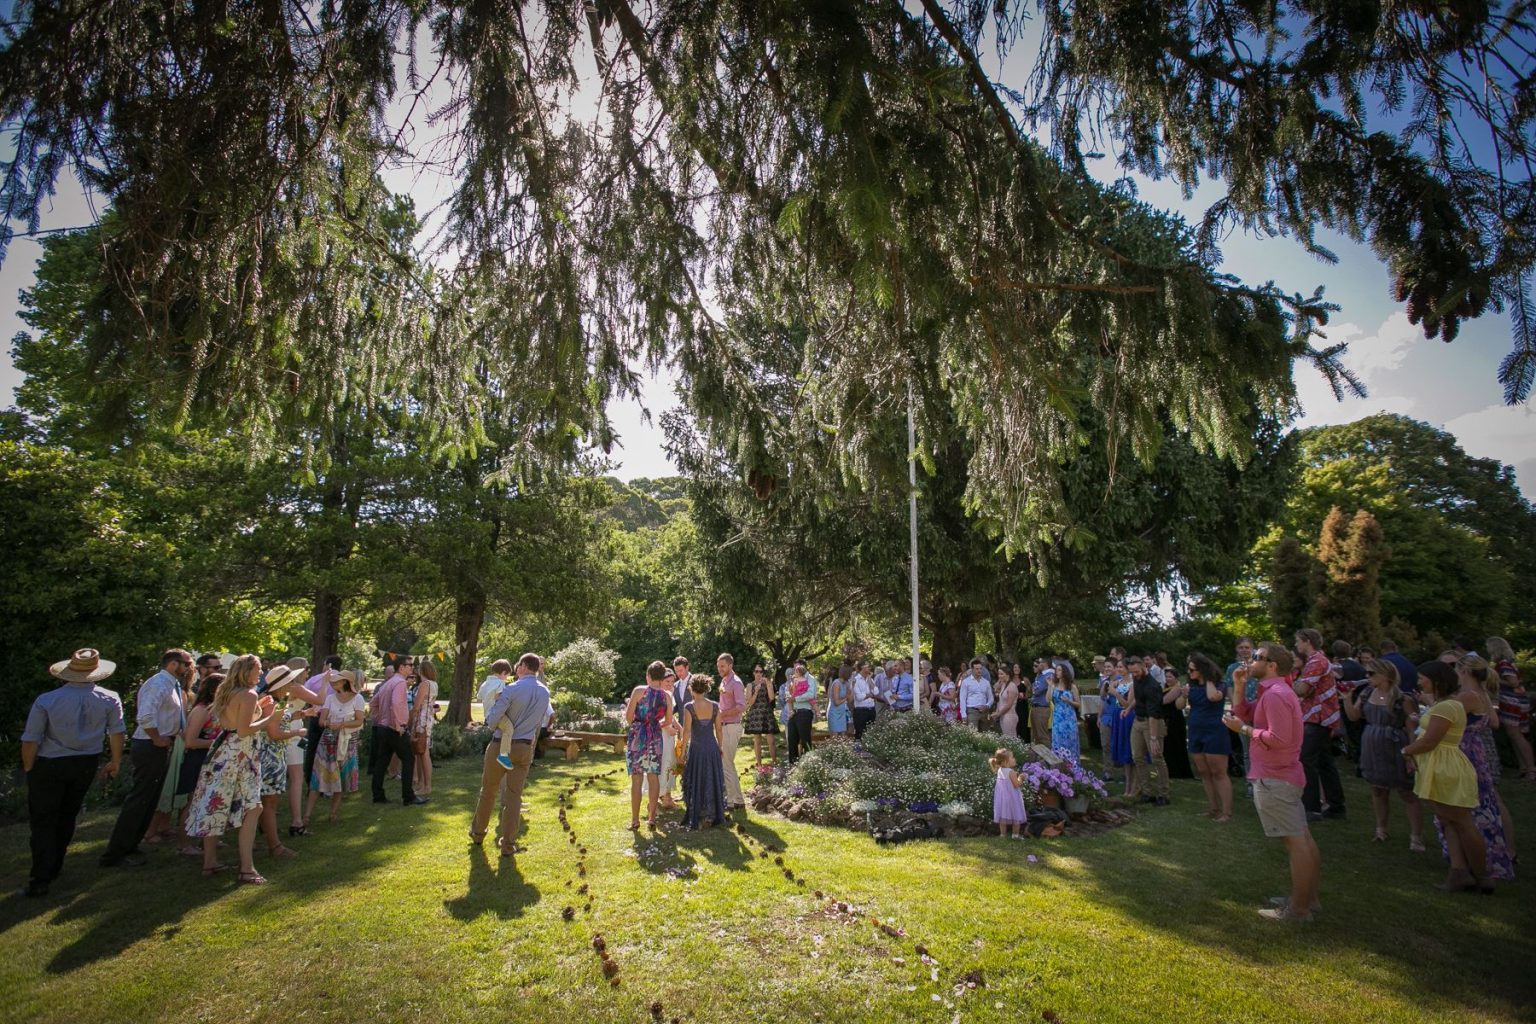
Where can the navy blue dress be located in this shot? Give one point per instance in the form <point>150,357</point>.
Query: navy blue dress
<point>1207,735</point>
<point>703,775</point>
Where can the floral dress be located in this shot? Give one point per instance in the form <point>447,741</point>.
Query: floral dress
<point>1064,734</point>
<point>229,786</point>
<point>1486,814</point>
<point>274,758</point>
<point>643,751</point>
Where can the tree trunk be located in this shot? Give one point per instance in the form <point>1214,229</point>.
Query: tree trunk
<point>954,640</point>
<point>468,617</point>
<point>327,634</point>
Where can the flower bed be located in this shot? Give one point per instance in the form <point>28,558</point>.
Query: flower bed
<point>915,766</point>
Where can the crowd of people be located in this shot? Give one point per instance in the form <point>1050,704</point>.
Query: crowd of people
<point>217,746</point>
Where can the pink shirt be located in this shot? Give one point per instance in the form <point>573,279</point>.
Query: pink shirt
<point>733,699</point>
<point>389,707</point>
<point>1275,750</point>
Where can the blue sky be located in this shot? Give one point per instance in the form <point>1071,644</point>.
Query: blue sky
<point>1451,386</point>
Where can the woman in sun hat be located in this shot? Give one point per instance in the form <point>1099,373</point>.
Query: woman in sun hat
<point>280,684</point>
<point>60,750</point>
<point>229,790</point>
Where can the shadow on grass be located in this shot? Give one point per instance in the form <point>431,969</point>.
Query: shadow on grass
<point>126,905</point>
<point>499,890</point>
<point>1202,882</point>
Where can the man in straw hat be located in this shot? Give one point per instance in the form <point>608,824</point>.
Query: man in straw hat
<point>60,749</point>
<point>161,717</point>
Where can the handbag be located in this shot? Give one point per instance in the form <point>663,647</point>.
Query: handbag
<point>419,743</point>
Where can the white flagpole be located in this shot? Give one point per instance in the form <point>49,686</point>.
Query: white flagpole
<point>917,705</point>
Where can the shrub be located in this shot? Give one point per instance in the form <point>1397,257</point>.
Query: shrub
<point>447,741</point>
<point>584,667</point>
<point>476,736</point>
<point>571,707</point>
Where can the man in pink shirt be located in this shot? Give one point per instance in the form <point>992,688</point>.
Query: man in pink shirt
<point>391,715</point>
<point>733,703</point>
<point>1272,724</point>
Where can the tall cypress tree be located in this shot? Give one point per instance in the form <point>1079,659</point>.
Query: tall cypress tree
<point>1292,577</point>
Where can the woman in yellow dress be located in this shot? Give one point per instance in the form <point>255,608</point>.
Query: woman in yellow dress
<point>1446,779</point>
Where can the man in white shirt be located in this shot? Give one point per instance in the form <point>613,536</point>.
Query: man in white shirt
<point>161,717</point>
<point>501,671</point>
<point>975,696</point>
<point>883,685</point>
<point>863,700</point>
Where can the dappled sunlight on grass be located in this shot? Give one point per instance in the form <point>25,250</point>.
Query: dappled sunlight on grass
<point>1152,921</point>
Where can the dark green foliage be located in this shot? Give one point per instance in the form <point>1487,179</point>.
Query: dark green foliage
<point>1292,583</point>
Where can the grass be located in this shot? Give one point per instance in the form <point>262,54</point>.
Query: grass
<point>390,915</point>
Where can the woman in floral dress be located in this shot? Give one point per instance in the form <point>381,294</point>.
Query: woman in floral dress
<point>228,793</point>
<point>335,771</point>
<point>649,717</point>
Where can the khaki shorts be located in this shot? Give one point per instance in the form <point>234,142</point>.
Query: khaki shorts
<point>1279,806</point>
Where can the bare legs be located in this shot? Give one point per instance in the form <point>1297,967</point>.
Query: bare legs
<point>1306,871</point>
<point>1381,803</point>
<point>1464,843</point>
<point>296,815</point>
<point>653,788</point>
<point>268,820</point>
<point>1212,769</point>
<point>422,773</point>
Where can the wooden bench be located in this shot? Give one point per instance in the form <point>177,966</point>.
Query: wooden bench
<point>615,740</point>
<point>570,744</point>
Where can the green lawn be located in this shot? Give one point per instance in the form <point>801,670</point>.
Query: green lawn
<point>392,916</point>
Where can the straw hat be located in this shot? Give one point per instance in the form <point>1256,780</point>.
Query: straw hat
<point>87,666</point>
<point>299,664</point>
<point>354,678</point>
<point>281,677</point>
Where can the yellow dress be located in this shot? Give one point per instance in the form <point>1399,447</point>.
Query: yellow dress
<point>1444,774</point>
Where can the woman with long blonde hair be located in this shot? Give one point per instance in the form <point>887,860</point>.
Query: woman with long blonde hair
<point>228,793</point>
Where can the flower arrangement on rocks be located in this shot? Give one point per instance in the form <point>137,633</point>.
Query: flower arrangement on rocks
<point>913,766</point>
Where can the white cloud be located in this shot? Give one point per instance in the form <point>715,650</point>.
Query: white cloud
<point>1503,432</point>
<point>641,450</point>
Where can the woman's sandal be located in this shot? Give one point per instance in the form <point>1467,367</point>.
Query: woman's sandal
<point>1380,836</point>
<point>1415,845</point>
<point>300,830</point>
<point>477,839</point>
<point>251,878</point>
<point>217,869</point>
<point>283,852</point>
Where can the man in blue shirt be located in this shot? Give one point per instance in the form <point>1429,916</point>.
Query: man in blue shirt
<point>161,717</point>
<point>60,748</point>
<point>1407,671</point>
<point>1040,705</point>
<point>901,687</point>
<point>524,703</point>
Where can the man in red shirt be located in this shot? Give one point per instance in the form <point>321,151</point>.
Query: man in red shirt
<point>1272,724</point>
<point>1319,693</point>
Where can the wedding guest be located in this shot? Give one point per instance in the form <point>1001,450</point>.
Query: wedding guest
<point>1123,721</point>
<point>681,673</point>
<point>272,751</point>
<point>703,775</point>
<point>1514,704</point>
<point>1244,651</point>
<point>1176,736</point>
<point>837,701</point>
<point>317,685</point>
<point>1446,780</point>
<point>500,675</point>
<point>1273,725</point>
<point>228,793</point>
<point>1007,713</point>
<point>423,719</point>
<point>733,707</point>
<point>975,696</point>
<point>160,718</point>
<point>1209,741</point>
<point>60,753</point>
<point>1386,709</point>
<point>648,716</point>
<point>341,721</point>
<point>1491,815</point>
<point>1065,738</point>
<point>1040,705</point>
<point>759,720</point>
<point>202,729</point>
<point>1149,771</point>
<point>863,700</point>
<point>524,708</point>
<point>802,705</point>
<point>1008,811</point>
<point>902,693</point>
<point>391,714</point>
<point>1319,693</point>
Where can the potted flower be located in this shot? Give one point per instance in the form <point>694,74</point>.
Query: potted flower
<point>1050,785</point>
